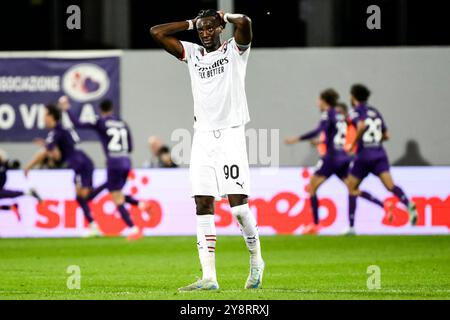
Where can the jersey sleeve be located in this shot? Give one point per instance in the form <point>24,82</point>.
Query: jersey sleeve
<point>51,141</point>
<point>383,123</point>
<point>100,125</point>
<point>355,117</point>
<point>188,51</point>
<point>242,51</point>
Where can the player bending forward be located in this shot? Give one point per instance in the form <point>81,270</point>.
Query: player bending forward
<point>219,164</point>
<point>60,145</point>
<point>371,157</point>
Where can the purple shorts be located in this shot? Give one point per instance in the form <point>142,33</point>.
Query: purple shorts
<point>327,166</point>
<point>116,178</point>
<point>363,165</point>
<point>83,168</point>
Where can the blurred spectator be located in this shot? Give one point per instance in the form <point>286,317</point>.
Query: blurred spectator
<point>165,159</point>
<point>412,156</point>
<point>160,154</point>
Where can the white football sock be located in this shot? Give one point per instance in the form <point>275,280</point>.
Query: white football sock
<point>249,229</point>
<point>206,244</point>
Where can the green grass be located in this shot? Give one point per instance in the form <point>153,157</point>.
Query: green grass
<point>414,267</point>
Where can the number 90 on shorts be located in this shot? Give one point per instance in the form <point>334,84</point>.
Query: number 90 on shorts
<point>219,163</point>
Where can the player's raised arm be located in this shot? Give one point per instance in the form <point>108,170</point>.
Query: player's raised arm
<point>163,34</point>
<point>309,135</point>
<point>243,32</point>
<point>64,105</point>
<point>38,158</point>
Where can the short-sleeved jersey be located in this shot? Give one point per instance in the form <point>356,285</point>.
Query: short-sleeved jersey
<point>62,139</point>
<point>218,85</point>
<point>65,140</point>
<point>371,142</point>
<point>334,126</point>
<point>115,137</point>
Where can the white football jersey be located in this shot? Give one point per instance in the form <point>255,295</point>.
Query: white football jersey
<point>218,85</point>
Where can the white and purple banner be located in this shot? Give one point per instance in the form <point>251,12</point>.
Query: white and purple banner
<point>279,200</point>
<point>29,81</point>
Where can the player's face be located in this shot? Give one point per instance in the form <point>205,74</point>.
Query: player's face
<point>209,30</point>
<point>341,110</point>
<point>353,101</point>
<point>321,104</point>
<point>49,121</point>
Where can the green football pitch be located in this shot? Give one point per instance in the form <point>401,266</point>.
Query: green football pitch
<point>297,267</point>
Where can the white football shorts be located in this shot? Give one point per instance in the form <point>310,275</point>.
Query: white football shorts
<point>219,163</point>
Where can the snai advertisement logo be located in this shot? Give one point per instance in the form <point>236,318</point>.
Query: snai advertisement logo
<point>279,201</point>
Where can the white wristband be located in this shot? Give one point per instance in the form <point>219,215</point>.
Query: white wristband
<point>191,24</point>
<point>225,17</point>
<point>232,16</point>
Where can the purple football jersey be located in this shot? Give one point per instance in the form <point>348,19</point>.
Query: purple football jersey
<point>115,137</point>
<point>334,125</point>
<point>371,142</point>
<point>66,140</point>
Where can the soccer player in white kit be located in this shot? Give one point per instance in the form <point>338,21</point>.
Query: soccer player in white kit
<point>219,164</point>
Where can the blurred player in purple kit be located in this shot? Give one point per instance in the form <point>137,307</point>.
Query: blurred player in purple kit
<point>336,160</point>
<point>60,145</point>
<point>370,156</point>
<point>5,165</point>
<point>116,140</point>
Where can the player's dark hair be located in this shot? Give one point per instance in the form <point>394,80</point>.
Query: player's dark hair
<point>330,96</point>
<point>54,111</point>
<point>106,105</point>
<point>360,92</point>
<point>211,13</point>
<point>343,106</point>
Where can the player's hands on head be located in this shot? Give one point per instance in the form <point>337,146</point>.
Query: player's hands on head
<point>222,17</point>
<point>63,103</point>
<point>194,21</point>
